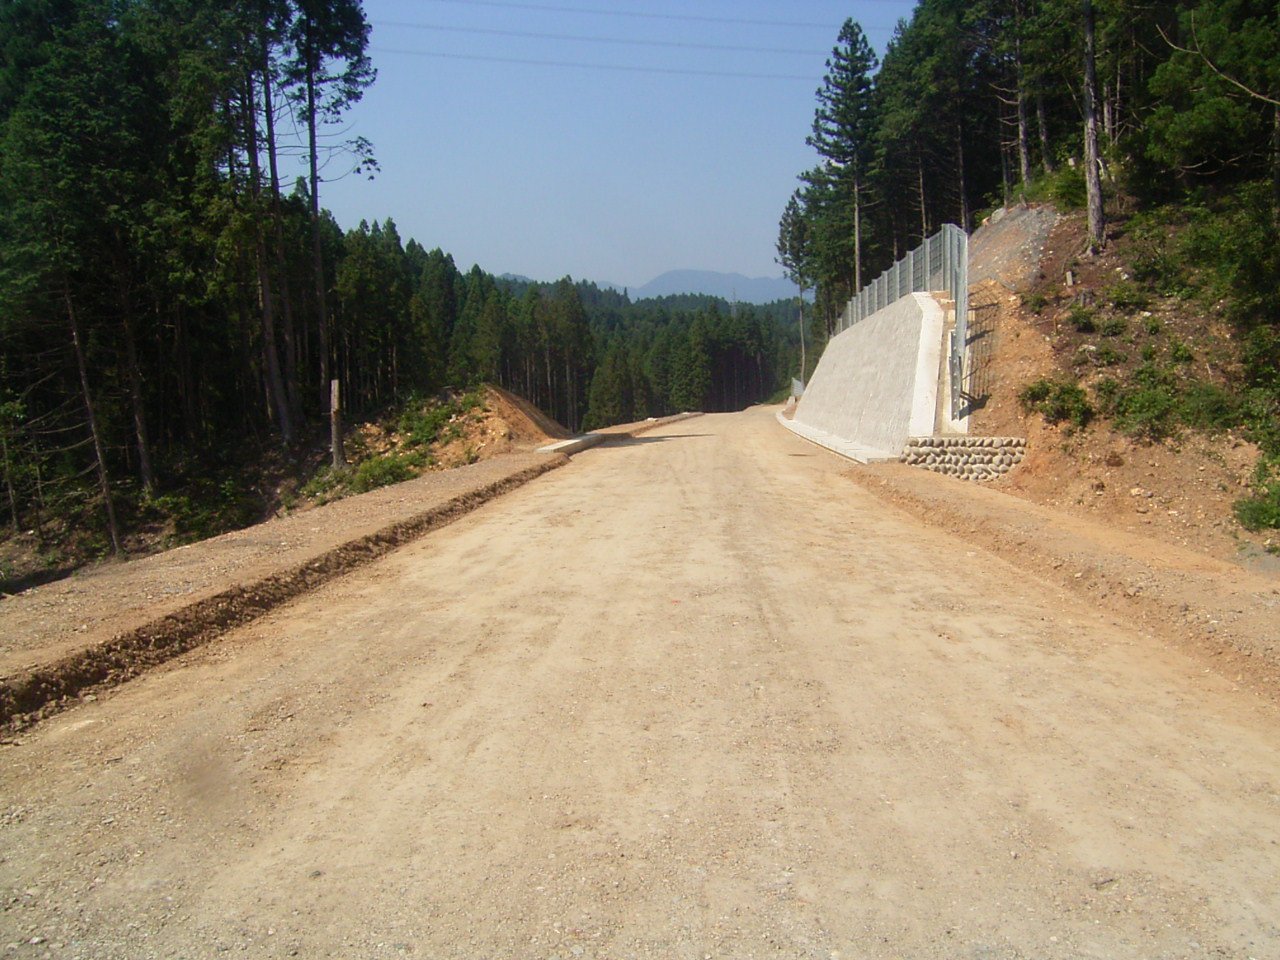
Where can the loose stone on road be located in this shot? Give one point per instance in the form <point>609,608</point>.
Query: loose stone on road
<point>693,695</point>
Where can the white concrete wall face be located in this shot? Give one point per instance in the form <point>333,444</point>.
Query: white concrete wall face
<point>877,382</point>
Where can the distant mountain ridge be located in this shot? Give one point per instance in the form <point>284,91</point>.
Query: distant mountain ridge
<point>728,286</point>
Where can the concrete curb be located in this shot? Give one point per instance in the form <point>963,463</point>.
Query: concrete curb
<point>845,448</point>
<point>574,444</point>
<point>621,432</point>
<point>43,690</point>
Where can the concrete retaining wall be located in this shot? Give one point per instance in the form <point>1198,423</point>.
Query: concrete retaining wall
<point>877,382</point>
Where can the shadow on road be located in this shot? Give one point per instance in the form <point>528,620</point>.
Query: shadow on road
<point>636,441</point>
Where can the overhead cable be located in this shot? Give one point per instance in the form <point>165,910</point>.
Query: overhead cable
<point>642,14</point>
<point>597,66</point>
<point>615,40</point>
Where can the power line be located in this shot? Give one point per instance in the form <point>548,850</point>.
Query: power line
<point>598,66</point>
<point>614,40</point>
<point>642,14</point>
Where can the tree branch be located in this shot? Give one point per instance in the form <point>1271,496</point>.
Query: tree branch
<point>1199,52</point>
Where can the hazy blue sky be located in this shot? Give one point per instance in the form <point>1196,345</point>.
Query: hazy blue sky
<point>499,146</point>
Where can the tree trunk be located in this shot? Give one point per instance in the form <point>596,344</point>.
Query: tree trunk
<point>8,483</point>
<point>1275,164</point>
<point>1024,147</point>
<point>924,210</point>
<point>276,394</point>
<point>282,268</point>
<point>1006,174</point>
<point>335,426</point>
<point>1108,117</point>
<point>104,481</point>
<point>803,373</point>
<point>568,396</point>
<point>182,347</point>
<point>857,230</point>
<point>1092,177</point>
<point>134,375</point>
<point>960,179</point>
<point>1046,156</point>
<point>317,254</point>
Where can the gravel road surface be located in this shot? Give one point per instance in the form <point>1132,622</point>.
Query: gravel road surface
<point>694,695</point>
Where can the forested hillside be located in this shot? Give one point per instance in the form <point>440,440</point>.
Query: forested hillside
<point>1162,119</point>
<point>172,313</point>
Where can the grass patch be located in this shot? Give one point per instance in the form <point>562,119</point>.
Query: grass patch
<point>1082,318</point>
<point>1261,511</point>
<point>1128,297</point>
<point>1113,327</point>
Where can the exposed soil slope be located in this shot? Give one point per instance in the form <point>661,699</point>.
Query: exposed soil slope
<point>1181,489</point>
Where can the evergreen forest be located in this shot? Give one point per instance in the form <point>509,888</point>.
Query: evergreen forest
<point>171,312</point>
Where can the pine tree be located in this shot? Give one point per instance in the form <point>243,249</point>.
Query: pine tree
<point>843,124</point>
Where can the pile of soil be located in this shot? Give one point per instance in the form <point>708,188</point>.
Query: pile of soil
<point>502,423</point>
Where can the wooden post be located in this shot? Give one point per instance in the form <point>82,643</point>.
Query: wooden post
<point>335,426</point>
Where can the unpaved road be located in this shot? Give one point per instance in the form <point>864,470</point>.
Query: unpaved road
<point>691,696</point>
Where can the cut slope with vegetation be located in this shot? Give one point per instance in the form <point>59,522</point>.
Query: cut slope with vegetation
<point>1132,399</point>
<point>1159,121</point>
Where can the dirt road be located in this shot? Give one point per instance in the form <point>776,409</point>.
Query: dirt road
<point>695,695</point>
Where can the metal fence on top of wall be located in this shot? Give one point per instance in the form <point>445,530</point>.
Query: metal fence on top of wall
<point>940,263</point>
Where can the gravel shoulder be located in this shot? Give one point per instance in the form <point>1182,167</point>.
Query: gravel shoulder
<point>1208,605</point>
<point>74,621</point>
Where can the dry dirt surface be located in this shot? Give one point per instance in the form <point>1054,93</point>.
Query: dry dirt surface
<point>694,695</point>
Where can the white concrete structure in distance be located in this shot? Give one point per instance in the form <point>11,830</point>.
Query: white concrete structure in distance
<point>877,383</point>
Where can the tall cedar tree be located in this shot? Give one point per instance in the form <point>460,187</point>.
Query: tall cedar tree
<point>843,124</point>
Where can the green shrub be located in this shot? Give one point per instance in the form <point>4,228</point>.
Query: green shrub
<point>1154,326</point>
<point>423,425</point>
<point>1099,356</point>
<point>1035,302</point>
<point>1064,187</point>
<point>1082,318</point>
<point>384,471</point>
<point>1262,510</point>
<point>1148,352</point>
<point>1179,352</point>
<point>325,481</point>
<point>1128,297</point>
<point>1108,356</point>
<point>1147,412</point>
<point>1207,406</point>
<point>1113,327</point>
<point>1108,392</point>
<point>1057,402</point>
<point>207,507</point>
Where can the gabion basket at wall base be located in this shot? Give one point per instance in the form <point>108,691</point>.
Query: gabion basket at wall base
<point>969,458</point>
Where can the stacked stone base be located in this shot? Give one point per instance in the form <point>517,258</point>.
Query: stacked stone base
<point>969,458</point>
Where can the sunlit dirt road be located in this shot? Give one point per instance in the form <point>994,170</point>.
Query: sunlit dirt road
<point>694,695</point>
